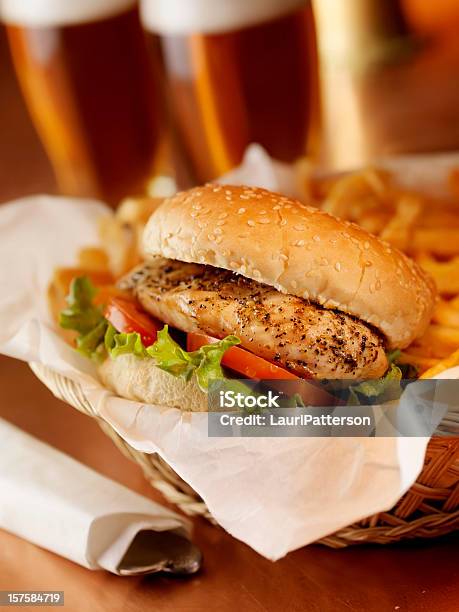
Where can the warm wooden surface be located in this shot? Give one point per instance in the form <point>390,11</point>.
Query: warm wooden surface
<point>418,577</point>
<point>415,577</point>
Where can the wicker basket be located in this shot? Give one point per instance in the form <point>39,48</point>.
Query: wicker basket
<point>429,509</point>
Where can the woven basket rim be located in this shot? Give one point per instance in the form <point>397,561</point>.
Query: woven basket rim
<point>42,371</point>
<point>416,514</point>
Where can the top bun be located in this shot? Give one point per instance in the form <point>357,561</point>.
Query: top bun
<point>297,249</point>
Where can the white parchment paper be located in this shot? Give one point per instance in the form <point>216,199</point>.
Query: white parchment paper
<point>275,494</point>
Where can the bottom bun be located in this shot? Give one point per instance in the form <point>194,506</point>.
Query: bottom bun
<point>140,380</point>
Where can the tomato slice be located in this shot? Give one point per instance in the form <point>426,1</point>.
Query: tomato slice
<point>242,361</point>
<point>126,317</point>
<point>252,366</point>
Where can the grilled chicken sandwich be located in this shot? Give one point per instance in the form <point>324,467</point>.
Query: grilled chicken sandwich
<point>269,287</point>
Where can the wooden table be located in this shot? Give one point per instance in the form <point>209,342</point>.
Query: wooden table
<point>422,576</point>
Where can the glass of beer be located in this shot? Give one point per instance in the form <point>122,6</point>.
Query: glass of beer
<point>238,71</point>
<point>93,91</point>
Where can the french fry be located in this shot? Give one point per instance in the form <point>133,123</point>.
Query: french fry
<point>421,363</point>
<point>439,219</point>
<point>120,244</point>
<point>121,234</point>
<point>399,229</point>
<point>359,186</point>
<point>372,221</point>
<point>93,259</point>
<point>438,341</point>
<point>450,362</point>
<point>443,242</point>
<point>137,211</point>
<point>445,274</point>
<point>446,315</point>
<point>304,178</point>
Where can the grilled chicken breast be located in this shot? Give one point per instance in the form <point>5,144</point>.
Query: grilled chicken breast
<point>292,332</point>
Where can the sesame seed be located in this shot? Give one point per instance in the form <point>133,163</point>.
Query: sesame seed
<point>223,215</point>
<point>283,222</point>
<point>256,273</point>
<point>366,245</point>
<point>337,266</point>
<point>251,223</point>
<point>218,230</point>
<point>234,264</point>
<point>263,220</point>
<point>283,256</point>
<point>241,211</point>
<point>378,285</point>
<point>299,243</point>
<point>316,238</point>
<point>218,239</point>
<point>220,223</point>
<point>299,228</point>
<point>288,206</point>
<point>324,261</point>
<point>194,214</point>
<point>262,212</point>
<point>294,284</point>
<point>276,207</point>
<point>243,269</point>
<point>211,237</point>
<point>228,198</point>
<point>228,191</point>
<point>368,263</point>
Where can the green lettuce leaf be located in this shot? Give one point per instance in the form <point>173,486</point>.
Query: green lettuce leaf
<point>123,344</point>
<point>98,338</point>
<point>204,363</point>
<point>92,344</point>
<point>408,370</point>
<point>83,316</point>
<point>379,390</point>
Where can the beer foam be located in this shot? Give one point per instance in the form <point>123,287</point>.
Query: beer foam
<point>211,16</point>
<point>36,13</point>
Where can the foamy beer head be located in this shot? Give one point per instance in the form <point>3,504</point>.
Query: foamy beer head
<point>211,16</point>
<point>46,13</point>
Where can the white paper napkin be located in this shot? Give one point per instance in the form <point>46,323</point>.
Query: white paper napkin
<point>274,494</point>
<point>63,506</point>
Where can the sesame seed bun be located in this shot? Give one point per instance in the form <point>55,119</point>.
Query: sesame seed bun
<point>297,249</point>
